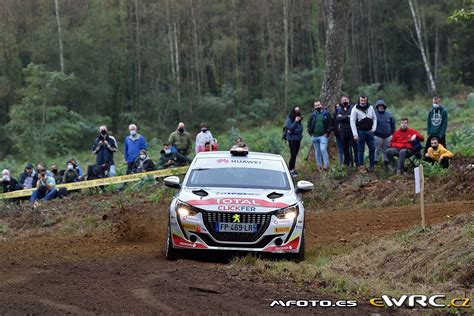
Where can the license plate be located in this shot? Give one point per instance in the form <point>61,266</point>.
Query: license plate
<point>236,227</point>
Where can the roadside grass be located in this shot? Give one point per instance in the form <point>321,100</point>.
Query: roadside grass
<point>436,260</point>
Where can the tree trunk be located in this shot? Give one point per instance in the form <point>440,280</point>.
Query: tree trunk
<point>61,52</point>
<point>196,50</point>
<point>421,47</point>
<point>285,48</point>
<point>335,42</point>
<point>137,54</point>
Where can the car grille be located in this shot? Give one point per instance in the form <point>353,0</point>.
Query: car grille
<point>262,221</point>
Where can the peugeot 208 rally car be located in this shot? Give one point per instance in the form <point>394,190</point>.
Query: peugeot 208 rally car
<point>239,201</point>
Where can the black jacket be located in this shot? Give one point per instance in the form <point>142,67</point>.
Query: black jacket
<point>23,177</point>
<point>148,165</point>
<point>342,118</point>
<point>105,153</point>
<point>10,186</point>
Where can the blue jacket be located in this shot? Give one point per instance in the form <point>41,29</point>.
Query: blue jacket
<point>295,128</point>
<point>104,152</point>
<point>385,124</point>
<point>132,147</point>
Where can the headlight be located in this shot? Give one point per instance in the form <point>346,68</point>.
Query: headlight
<point>287,213</point>
<point>185,209</point>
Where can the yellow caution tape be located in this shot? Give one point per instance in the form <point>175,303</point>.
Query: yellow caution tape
<point>99,182</point>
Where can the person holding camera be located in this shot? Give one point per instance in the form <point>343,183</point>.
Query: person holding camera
<point>104,147</point>
<point>45,187</point>
<point>293,133</point>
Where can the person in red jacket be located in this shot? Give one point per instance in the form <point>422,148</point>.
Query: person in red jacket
<point>402,143</point>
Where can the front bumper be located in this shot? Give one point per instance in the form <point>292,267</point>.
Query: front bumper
<point>273,234</point>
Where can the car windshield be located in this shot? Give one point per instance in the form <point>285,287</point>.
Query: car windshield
<point>238,178</point>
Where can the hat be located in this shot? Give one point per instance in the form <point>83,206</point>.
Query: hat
<point>29,166</point>
<point>380,102</point>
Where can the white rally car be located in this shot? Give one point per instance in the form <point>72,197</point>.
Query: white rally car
<point>239,201</point>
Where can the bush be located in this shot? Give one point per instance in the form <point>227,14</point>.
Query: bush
<point>462,141</point>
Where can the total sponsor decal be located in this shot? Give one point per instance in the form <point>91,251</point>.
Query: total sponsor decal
<point>238,202</point>
<point>184,243</point>
<point>292,245</point>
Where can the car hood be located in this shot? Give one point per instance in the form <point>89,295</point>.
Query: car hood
<point>238,200</point>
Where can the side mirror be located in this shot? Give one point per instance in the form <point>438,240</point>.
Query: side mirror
<point>172,182</point>
<point>303,186</point>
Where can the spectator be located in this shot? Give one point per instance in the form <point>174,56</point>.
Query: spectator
<point>294,134</point>
<point>77,168</point>
<point>133,143</point>
<point>41,167</point>
<point>9,184</point>
<point>143,163</point>
<point>28,178</point>
<point>319,128</point>
<point>71,174</point>
<point>104,147</point>
<point>437,153</point>
<point>401,145</point>
<point>437,123</point>
<point>56,174</point>
<point>342,126</point>
<point>203,137</point>
<point>45,187</point>
<point>363,125</point>
<point>383,133</point>
<point>170,159</point>
<point>181,140</point>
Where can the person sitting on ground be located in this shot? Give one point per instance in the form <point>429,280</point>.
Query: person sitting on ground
<point>437,153</point>
<point>70,174</point>
<point>143,163</point>
<point>170,159</point>
<point>28,178</point>
<point>402,144</point>
<point>77,168</point>
<point>203,137</point>
<point>45,187</point>
<point>56,174</point>
<point>181,140</point>
<point>9,184</point>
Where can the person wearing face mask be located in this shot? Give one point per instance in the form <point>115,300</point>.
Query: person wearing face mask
<point>437,123</point>
<point>170,159</point>
<point>383,132</point>
<point>342,128</point>
<point>181,140</point>
<point>319,128</point>
<point>437,153</point>
<point>133,143</point>
<point>71,174</point>
<point>45,187</point>
<point>363,125</point>
<point>9,183</point>
<point>104,147</point>
<point>143,163</point>
<point>293,130</point>
<point>203,137</point>
<point>402,144</point>
<point>56,174</point>
<point>28,178</point>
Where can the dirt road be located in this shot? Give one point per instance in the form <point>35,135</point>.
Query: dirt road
<point>97,274</point>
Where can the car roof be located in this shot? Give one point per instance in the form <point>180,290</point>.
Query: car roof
<point>251,155</point>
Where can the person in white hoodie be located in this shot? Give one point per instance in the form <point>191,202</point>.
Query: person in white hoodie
<point>203,137</point>
<point>363,126</point>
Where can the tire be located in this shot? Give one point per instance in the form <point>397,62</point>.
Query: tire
<point>299,256</point>
<point>171,253</point>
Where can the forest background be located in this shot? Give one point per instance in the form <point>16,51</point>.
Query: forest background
<point>68,66</point>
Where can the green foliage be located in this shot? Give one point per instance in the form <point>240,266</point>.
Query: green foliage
<point>39,125</point>
<point>462,141</point>
<point>462,15</point>
<point>433,170</point>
